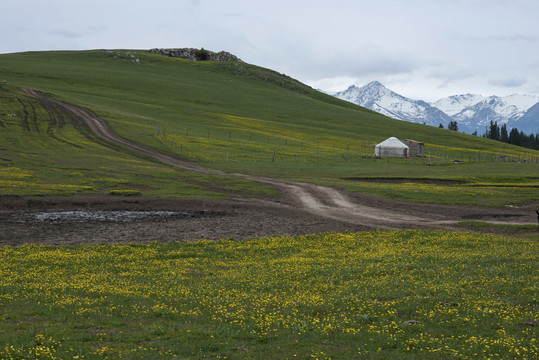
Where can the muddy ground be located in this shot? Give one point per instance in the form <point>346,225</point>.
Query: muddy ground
<point>190,220</point>
<point>208,220</point>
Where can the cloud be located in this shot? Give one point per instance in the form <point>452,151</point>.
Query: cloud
<point>97,29</point>
<point>333,84</point>
<point>508,38</point>
<point>65,33</point>
<point>315,61</point>
<point>447,75</point>
<point>387,65</point>
<point>508,82</point>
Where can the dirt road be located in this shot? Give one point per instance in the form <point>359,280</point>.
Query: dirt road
<point>318,200</point>
<point>303,208</point>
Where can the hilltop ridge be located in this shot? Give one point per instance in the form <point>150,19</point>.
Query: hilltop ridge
<point>196,54</point>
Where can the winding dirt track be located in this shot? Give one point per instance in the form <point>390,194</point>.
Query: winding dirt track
<point>317,200</point>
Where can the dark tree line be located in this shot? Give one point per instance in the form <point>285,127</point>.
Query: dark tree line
<point>514,137</point>
<point>451,126</point>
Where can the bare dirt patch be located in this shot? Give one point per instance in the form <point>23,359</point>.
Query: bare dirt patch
<point>211,220</point>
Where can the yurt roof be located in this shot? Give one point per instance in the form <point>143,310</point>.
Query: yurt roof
<point>393,142</point>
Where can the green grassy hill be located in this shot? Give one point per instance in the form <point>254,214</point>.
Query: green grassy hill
<point>224,115</point>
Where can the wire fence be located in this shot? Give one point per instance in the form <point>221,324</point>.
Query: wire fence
<point>236,146</point>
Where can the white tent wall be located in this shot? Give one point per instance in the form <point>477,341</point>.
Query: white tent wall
<point>389,152</point>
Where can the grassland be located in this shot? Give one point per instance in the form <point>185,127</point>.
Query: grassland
<point>45,152</point>
<point>241,118</point>
<point>380,295</point>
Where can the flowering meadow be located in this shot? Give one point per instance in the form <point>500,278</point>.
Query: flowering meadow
<point>383,294</point>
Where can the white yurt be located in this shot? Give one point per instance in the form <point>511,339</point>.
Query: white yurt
<point>391,147</point>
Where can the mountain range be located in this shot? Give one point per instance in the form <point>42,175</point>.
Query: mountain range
<point>472,112</point>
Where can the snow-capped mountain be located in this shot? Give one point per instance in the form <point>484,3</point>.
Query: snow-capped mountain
<point>529,122</point>
<point>471,111</point>
<point>474,112</point>
<point>453,105</point>
<point>377,97</point>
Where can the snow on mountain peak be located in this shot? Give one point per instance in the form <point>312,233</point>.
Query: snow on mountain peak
<point>377,97</point>
<point>375,84</point>
<point>475,114</point>
<point>453,105</point>
<point>471,111</point>
<point>522,102</point>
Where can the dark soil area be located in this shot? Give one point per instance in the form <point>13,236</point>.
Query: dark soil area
<point>105,219</point>
<point>190,220</point>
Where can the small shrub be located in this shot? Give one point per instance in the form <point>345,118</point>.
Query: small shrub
<point>202,55</point>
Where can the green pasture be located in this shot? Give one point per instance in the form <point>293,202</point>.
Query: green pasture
<point>43,153</point>
<point>375,295</point>
<point>243,118</point>
<point>481,224</point>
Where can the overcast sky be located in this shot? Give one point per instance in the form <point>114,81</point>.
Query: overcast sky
<point>422,49</point>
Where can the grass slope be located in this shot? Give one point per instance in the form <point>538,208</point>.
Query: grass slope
<point>375,295</point>
<point>44,152</point>
<point>243,118</point>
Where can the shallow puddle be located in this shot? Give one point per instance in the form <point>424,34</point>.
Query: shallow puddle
<point>105,216</point>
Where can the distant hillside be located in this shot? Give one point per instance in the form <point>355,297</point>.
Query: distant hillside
<point>207,111</point>
<point>224,115</point>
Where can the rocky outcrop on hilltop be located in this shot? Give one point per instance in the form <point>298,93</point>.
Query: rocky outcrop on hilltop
<point>236,66</point>
<point>196,54</point>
